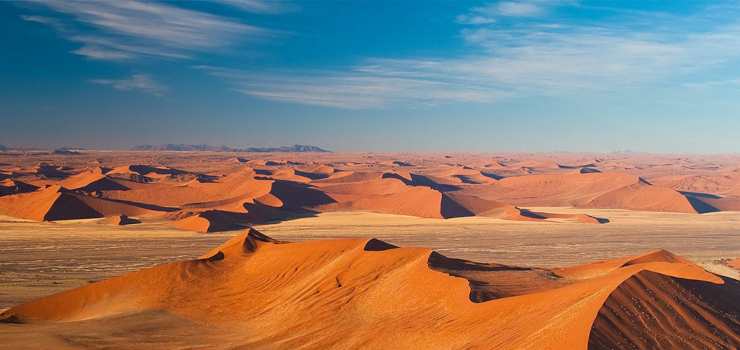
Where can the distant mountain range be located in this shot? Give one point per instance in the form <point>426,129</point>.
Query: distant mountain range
<point>185,147</point>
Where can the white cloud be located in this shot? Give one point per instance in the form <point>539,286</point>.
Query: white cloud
<point>488,13</point>
<point>517,9</point>
<point>363,87</point>
<point>263,6</point>
<point>474,19</point>
<point>532,59</point>
<point>131,29</point>
<point>137,82</point>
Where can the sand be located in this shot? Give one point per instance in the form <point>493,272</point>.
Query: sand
<point>667,224</point>
<point>58,256</point>
<point>365,293</point>
<point>210,192</point>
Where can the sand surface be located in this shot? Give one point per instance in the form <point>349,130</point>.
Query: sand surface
<point>501,239</point>
<point>257,292</point>
<point>43,258</point>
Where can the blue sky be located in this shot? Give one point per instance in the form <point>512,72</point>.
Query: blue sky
<point>442,76</point>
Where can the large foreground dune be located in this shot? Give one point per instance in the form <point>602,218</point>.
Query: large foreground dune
<point>256,293</point>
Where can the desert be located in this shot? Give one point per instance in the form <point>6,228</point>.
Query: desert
<point>369,175</point>
<point>324,250</point>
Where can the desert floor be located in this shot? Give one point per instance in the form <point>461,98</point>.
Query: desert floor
<point>41,258</point>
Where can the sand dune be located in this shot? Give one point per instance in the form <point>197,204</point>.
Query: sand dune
<point>92,181</point>
<point>592,190</point>
<point>585,170</point>
<point>734,263</point>
<point>121,220</point>
<point>9,186</point>
<point>58,203</point>
<point>533,164</point>
<point>459,175</point>
<point>650,310</point>
<point>51,203</point>
<point>207,221</point>
<point>642,196</point>
<point>407,184</point>
<point>364,293</point>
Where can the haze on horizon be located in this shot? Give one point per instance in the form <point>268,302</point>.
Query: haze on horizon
<point>441,76</point>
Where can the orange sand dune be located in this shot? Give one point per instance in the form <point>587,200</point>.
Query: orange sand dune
<point>350,176</point>
<point>263,162</point>
<point>734,263</point>
<point>121,220</point>
<point>395,163</point>
<point>533,164</point>
<point>320,169</point>
<point>488,164</point>
<point>415,195</point>
<point>463,175</point>
<point>434,186</point>
<point>511,212</point>
<point>51,203</point>
<point>145,170</point>
<point>58,203</point>
<point>591,190</point>
<point>9,186</point>
<point>364,293</point>
<point>207,221</point>
<point>642,196</point>
<point>585,170</point>
<point>556,190</point>
<point>91,181</point>
<point>723,185</point>
<point>237,160</point>
<point>417,201</point>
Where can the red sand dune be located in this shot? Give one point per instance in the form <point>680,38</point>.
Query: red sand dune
<point>488,164</point>
<point>396,163</point>
<point>533,164</point>
<point>459,175</point>
<point>427,187</point>
<point>8,187</point>
<point>642,196</point>
<point>590,190</point>
<point>555,190</point>
<point>511,212</point>
<point>207,221</point>
<point>364,293</point>
<point>734,263</point>
<point>58,203</point>
<point>585,170</point>
<point>263,162</point>
<point>320,169</point>
<point>91,181</point>
<point>121,220</point>
<point>237,160</point>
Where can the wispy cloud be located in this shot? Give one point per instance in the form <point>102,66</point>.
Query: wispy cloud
<point>533,58</point>
<point>120,30</point>
<point>263,6</point>
<point>472,18</point>
<point>516,9</point>
<point>363,87</point>
<point>490,12</point>
<point>138,82</point>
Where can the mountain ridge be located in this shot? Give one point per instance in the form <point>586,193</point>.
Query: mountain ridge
<point>203,147</point>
